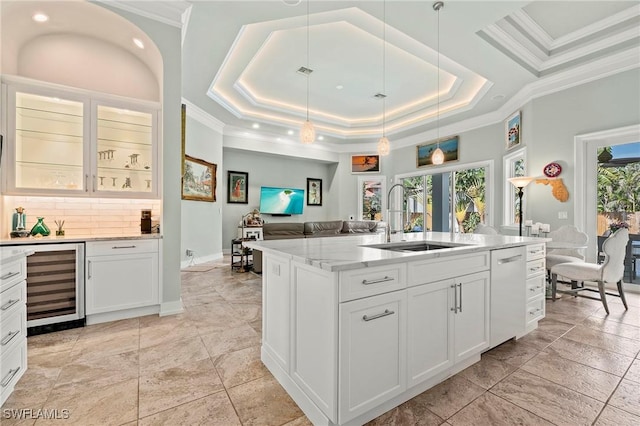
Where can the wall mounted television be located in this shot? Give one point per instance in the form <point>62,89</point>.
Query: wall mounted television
<point>281,201</point>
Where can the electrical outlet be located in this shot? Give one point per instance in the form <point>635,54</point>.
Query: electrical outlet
<point>189,252</point>
<point>562,215</point>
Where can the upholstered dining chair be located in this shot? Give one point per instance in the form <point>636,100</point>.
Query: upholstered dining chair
<point>610,271</point>
<point>485,229</point>
<point>566,243</point>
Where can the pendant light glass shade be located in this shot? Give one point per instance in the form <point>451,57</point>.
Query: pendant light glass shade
<point>307,133</point>
<point>437,157</point>
<point>383,146</point>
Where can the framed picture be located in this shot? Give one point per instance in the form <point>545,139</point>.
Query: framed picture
<point>314,192</point>
<point>372,196</point>
<point>369,163</point>
<point>512,130</point>
<point>448,145</point>
<point>237,187</point>
<point>198,180</point>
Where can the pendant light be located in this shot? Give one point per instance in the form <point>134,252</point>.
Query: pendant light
<point>383,143</point>
<point>307,132</point>
<point>438,156</point>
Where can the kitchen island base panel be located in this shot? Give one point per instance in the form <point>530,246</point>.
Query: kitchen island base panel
<point>318,418</point>
<point>122,314</point>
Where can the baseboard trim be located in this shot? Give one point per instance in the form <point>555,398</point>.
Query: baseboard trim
<point>171,308</point>
<point>122,314</point>
<point>201,259</point>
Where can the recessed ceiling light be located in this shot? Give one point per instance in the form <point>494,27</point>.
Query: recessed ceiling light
<point>339,87</point>
<point>40,17</point>
<point>278,139</point>
<point>255,125</point>
<point>289,132</point>
<point>320,138</point>
<point>138,43</point>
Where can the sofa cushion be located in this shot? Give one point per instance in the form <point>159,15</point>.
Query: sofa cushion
<point>323,228</point>
<point>359,227</point>
<point>282,231</point>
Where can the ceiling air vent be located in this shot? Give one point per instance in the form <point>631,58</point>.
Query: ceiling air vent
<point>305,70</point>
<point>380,95</point>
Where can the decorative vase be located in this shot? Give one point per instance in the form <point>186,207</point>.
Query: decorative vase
<point>40,228</point>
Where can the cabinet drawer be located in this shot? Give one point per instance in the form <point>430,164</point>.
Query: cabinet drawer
<point>12,366</point>
<point>536,251</point>
<point>535,287</point>
<point>104,248</point>
<point>12,273</point>
<point>440,268</point>
<point>535,267</point>
<point>13,329</point>
<point>366,282</point>
<point>11,300</point>
<point>535,310</point>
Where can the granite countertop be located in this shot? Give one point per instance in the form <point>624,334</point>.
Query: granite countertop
<point>351,252</point>
<point>51,239</point>
<point>9,254</point>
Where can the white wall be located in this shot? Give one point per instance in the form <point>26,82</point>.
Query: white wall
<point>556,119</point>
<point>201,227</point>
<point>272,170</point>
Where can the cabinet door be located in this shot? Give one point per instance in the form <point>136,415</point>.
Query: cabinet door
<point>430,324</point>
<point>125,152</point>
<point>121,282</point>
<point>372,352</point>
<point>472,317</point>
<point>47,142</point>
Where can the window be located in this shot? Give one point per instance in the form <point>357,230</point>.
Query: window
<point>514,164</point>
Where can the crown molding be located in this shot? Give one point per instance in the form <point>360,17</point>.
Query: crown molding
<point>167,12</point>
<point>203,117</point>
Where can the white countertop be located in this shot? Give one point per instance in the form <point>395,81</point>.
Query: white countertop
<point>52,239</point>
<point>350,252</point>
<point>9,254</point>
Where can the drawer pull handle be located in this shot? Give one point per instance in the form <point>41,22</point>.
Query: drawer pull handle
<point>535,311</point>
<point>536,251</point>
<point>9,275</point>
<point>9,337</point>
<point>7,379</point>
<point>379,280</point>
<point>535,269</point>
<point>123,247</point>
<point>538,287</point>
<point>9,304</point>
<point>455,298</point>
<point>509,259</point>
<point>376,316</point>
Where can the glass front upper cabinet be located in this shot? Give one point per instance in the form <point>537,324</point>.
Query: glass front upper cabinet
<point>79,143</point>
<point>49,144</point>
<point>125,153</point>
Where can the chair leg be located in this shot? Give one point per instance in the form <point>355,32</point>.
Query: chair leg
<point>603,296</point>
<point>621,292</point>
<point>554,283</point>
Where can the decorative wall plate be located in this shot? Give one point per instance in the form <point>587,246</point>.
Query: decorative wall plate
<point>552,170</point>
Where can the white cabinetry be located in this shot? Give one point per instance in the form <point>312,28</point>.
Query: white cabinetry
<point>372,351</point>
<point>535,288</point>
<point>13,325</point>
<point>65,141</point>
<point>121,274</point>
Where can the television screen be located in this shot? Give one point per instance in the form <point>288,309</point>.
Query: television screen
<point>281,200</point>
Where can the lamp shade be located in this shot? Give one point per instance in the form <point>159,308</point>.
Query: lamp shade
<point>520,181</point>
<point>307,133</point>
<point>438,156</point>
<point>383,146</point>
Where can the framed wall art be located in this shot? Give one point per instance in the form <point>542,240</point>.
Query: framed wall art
<point>314,192</point>
<point>237,187</point>
<point>369,163</point>
<point>372,197</point>
<point>448,145</point>
<point>512,130</point>
<point>198,180</point>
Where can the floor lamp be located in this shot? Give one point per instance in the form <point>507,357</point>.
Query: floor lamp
<point>520,182</point>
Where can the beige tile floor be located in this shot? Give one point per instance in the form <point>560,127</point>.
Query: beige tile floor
<point>580,367</point>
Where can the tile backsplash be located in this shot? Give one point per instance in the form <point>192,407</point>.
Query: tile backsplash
<point>82,216</point>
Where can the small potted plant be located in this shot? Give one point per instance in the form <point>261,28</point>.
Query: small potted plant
<point>614,226</point>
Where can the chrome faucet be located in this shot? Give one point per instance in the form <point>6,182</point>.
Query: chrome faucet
<point>387,228</point>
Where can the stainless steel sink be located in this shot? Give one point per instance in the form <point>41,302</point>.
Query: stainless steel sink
<point>414,246</point>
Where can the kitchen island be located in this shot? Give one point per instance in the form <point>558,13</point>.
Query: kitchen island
<point>354,326</point>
